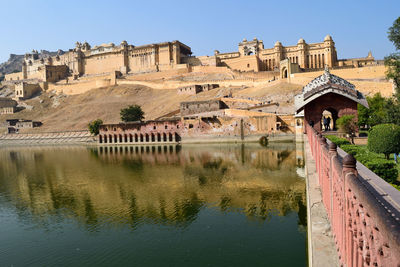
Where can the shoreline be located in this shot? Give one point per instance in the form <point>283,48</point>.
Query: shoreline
<point>85,138</point>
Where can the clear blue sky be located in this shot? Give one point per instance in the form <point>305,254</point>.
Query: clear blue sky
<point>357,26</point>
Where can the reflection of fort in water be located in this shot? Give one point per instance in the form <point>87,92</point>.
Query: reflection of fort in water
<point>161,184</point>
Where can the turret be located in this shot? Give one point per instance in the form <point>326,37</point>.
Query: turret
<point>301,45</point>
<point>329,51</point>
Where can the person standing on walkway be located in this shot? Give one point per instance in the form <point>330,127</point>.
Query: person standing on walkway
<point>325,120</point>
<point>328,123</point>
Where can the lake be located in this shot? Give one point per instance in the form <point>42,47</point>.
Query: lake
<point>190,205</point>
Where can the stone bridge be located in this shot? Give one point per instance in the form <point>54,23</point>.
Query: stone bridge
<point>363,209</point>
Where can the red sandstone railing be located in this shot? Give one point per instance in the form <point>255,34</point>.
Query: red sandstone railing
<point>363,209</point>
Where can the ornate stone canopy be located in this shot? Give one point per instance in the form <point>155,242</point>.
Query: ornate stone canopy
<point>328,83</point>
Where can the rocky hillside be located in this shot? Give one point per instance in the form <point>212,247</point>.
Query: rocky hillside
<point>14,63</point>
<point>59,112</point>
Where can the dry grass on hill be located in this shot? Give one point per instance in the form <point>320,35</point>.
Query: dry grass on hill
<point>61,112</point>
<point>74,112</point>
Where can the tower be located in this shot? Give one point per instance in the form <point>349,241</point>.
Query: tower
<point>301,46</point>
<point>278,53</point>
<point>329,51</point>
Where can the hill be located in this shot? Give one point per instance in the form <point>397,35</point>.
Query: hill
<point>60,112</point>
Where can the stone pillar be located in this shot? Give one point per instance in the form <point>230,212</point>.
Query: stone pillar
<point>173,137</point>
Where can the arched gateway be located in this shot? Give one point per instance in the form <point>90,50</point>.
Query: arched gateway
<point>328,93</point>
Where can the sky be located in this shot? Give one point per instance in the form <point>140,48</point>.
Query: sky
<point>356,26</point>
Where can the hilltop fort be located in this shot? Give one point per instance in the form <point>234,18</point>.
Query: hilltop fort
<point>84,60</point>
<point>66,89</point>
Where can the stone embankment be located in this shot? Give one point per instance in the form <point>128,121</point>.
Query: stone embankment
<point>70,137</point>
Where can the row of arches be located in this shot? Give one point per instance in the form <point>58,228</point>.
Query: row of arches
<point>129,150</point>
<point>139,138</point>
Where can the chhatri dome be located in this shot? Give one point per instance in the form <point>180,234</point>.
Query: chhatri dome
<point>328,38</point>
<point>278,43</point>
<point>301,41</point>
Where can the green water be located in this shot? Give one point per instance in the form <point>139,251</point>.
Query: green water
<point>203,205</point>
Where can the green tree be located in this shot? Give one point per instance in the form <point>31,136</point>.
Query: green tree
<point>132,113</point>
<point>394,33</point>
<point>347,124</point>
<point>393,60</point>
<point>376,114</point>
<point>94,126</point>
<point>393,111</point>
<point>385,139</point>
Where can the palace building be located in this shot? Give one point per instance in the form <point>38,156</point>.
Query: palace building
<point>252,56</point>
<point>122,59</point>
<point>105,58</point>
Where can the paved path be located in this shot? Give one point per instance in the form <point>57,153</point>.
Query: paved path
<point>321,245</point>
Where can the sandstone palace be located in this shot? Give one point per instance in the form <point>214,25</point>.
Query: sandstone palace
<point>124,59</point>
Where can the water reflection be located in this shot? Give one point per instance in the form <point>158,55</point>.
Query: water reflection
<point>166,185</point>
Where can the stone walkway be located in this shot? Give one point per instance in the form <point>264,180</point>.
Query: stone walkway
<point>321,245</point>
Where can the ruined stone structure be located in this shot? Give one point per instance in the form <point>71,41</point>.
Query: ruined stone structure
<point>24,90</point>
<point>328,93</point>
<point>199,120</point>
<point>165,131</point>
<point>7,105</point>
<point>14,125</point>
<point>196,88</point>
<point>362,208</point>
<point>193,107</point>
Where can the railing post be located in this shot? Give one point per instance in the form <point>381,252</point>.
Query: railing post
<point>318,156</point>
<point>332,154</point>
<point>349,168</point>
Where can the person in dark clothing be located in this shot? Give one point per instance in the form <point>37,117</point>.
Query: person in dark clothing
<point>329,123</point>
<point>325,121</point>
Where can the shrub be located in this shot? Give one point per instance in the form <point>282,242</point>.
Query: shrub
<point>353,149</point>
<point>384,138</point>
<point>384,168</point>
<point>94,126</point>
<point>347,125</point>
<point>337,140</point>
<point>132,113</point>
<point>264,140</point>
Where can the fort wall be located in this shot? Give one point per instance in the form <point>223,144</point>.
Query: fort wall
<point>14,76</point>
<point>103,63</point>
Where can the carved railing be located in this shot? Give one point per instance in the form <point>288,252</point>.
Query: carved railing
<point>363,209</point>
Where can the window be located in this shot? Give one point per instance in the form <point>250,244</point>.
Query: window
<point>154,127</point>
<point>248,65</point>
<point>166,126</point>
